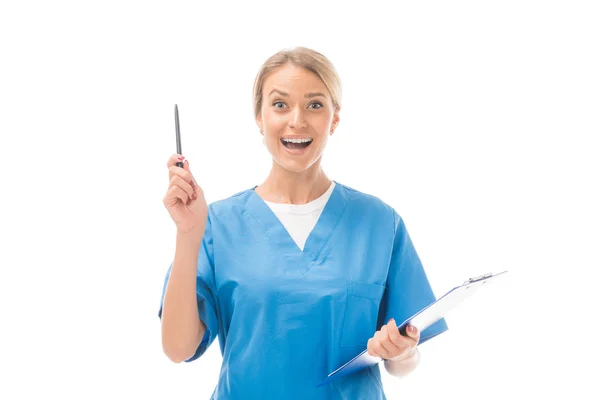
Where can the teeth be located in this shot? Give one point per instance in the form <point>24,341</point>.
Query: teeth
<point>297,140</point>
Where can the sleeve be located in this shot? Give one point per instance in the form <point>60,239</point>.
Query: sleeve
<point>205,292</point>
<point>407,288</point>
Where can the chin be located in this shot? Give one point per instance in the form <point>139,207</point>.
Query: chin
<point>296,163</point>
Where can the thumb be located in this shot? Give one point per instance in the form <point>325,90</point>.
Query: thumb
<point>186,166</point>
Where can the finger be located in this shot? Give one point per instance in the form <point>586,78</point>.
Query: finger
<point>197,189</point>
<point>378,348</point>
<point>371,347</point>
<point>179,182</point>
<point>176,192</point>
<point>395,335</point>
<point>177,171</point>
<point>391,348</point>
<point>172,164</point>
<point>174,159</point>
<point>186,167</point>
<point>413,333</point>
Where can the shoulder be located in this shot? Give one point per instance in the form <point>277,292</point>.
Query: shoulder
<point>370,205</point>
<point>228,205</point>
<point>366,201</point>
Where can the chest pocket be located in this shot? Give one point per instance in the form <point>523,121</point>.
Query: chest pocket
<point>360,316</point>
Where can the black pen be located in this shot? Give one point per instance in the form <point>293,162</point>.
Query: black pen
<point>177,135</point>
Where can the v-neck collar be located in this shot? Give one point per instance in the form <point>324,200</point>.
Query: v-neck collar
<point>279,235</point>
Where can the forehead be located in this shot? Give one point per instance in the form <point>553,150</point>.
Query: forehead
<point>292,78</point>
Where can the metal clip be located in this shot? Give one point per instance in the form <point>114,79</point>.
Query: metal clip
<point>478,278</point>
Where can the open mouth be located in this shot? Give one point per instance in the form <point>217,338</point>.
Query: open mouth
<point>296,144</point>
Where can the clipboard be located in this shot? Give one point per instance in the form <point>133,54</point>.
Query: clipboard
<point>421,320</point>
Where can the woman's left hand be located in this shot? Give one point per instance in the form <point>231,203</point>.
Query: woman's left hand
<point>389,344</point>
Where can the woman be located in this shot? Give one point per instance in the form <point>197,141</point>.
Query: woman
<point>298,275</point>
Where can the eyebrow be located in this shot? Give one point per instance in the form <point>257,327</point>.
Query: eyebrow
<point>307,95</point>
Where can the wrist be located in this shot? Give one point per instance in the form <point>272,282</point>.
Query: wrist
<point>190,237</point>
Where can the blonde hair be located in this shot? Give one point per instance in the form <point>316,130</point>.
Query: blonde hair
<point>305,58</point>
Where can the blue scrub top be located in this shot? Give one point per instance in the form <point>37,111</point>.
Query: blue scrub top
<point>286,318</point>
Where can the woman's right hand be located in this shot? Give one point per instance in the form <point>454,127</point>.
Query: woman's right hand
<point>185,199</point>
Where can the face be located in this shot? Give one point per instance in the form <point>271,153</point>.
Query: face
<point>297,117</point>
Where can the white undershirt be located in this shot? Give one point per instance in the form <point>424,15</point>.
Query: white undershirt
<point>300,219</point>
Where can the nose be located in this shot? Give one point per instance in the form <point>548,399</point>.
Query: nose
<point>297,119</point>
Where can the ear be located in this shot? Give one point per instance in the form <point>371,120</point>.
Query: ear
<point>259,122</point>
<point>336,121</point>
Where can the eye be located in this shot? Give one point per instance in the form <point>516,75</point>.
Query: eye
<point>316,103</point>
<point>278,102</point>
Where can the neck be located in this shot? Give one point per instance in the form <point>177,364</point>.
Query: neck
<point>283,186</point>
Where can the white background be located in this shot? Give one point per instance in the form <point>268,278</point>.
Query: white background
<point>478,121</point>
